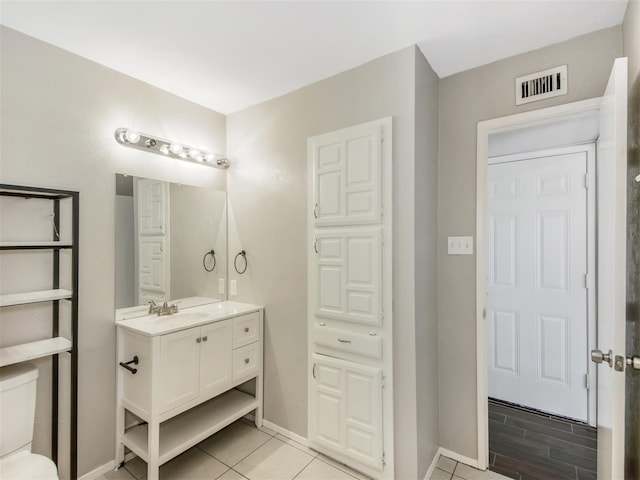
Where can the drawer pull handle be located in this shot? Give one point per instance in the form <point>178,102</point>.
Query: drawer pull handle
<point>131,369</point>
<point>342,340</point>
<point>246,360</point>
<point>204,339</point>
<point>246,329</point>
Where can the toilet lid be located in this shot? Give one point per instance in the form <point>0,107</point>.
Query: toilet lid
<point>28,466</point>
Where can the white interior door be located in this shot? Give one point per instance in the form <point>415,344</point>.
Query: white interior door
<point>537,290</point>
<point>612,178</point>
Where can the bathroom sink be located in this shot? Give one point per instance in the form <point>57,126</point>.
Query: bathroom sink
<point>185,316</point>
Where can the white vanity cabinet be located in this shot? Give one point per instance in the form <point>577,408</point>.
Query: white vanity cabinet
<point>183,385</point>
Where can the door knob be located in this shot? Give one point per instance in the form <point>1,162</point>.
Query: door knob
<point>634,361</point>
<point>598,357</point>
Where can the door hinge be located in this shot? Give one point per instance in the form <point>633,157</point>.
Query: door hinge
<point>586,280</point>
<point>381,315</point>
<point>383,381</point>
<point>315,245</point>
<point>382,237</point>
<point>384,460</point>
<point>586,180</point>
<point>587,381</point>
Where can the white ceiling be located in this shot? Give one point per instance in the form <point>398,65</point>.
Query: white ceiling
<point>227,55</point>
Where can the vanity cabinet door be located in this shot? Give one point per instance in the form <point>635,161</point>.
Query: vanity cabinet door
<point>179,367</point>
<point>215,358</point>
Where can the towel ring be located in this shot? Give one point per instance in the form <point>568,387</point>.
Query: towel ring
<point>204,260</point>
<point>242,254</point>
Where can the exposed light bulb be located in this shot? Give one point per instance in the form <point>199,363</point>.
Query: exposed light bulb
<point>164,149</point>
<point>132,136</point>
<point>193,153</point>
<point>208,157</point>
<point>176,148</point>
<point>182,155</point>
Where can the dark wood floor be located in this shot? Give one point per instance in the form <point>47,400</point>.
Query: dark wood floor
<point>524,444</point>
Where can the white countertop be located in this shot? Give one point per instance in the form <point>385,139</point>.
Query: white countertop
<point>152,325</point>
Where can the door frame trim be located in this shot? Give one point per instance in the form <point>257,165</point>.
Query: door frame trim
<point>484,129</point>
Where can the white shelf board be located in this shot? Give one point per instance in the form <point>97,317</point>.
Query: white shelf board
<point>34,297</point>
<point>49,243</point>
<point>182,432</point>
<point>33,350</point>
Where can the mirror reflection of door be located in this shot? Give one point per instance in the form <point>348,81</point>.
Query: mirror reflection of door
<point>163,232</point>
<point>153,233</point>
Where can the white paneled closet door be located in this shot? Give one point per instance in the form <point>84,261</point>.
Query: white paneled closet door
<point>350,321</point>
<point>151,200</point>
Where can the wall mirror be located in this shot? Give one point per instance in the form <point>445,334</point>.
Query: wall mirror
<point>171,241</point>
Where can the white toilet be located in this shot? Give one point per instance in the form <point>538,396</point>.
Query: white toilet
<point>17,413</point>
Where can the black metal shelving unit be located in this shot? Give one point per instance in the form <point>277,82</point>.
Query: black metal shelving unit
<point>57,344</point>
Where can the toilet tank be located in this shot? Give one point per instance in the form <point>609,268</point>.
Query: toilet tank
<point>17,406</point>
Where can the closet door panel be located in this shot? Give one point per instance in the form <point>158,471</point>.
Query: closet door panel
<point>347,184</point>
<point>349,275</point>
<point>363,413</point>
<point>327,402</point>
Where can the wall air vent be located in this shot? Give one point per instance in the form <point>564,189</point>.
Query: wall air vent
<point>541,85</point>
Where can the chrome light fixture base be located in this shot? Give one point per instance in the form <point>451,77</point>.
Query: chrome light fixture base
<point>167,148</point>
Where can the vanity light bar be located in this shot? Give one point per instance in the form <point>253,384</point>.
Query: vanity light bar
<point>180,151</point>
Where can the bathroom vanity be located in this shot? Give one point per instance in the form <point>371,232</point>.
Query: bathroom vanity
<point>185,376</point>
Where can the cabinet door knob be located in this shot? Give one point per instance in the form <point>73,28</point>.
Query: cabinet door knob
<point>198,340</point>
<point>246,360</point>
<point>246,329</point>
<point>204,339</point>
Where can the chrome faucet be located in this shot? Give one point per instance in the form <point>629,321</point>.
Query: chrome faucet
<point>164,309</point>
<point>154,307</point>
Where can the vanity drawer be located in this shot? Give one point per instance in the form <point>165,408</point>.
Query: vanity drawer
<point>246,329</point>
<point>246,361</point>
<point>347,341</point>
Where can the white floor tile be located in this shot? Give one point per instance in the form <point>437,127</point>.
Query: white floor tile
<point>469,473</point>
<point>231,475</point>
<point>447,464</point>
<point>319,470</point>
<point>342,467</point>
<point>120,474</point>
<point>440,475</point>
<point>136,467</point>
<point>234,443</point>
<point>297,445</point>
<point>192,464</point>
<point>274,460</point>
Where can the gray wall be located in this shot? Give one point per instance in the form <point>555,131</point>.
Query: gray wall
<point>268,203</point>
<point>426,261</point>
<point>465,99</point>
<point>59,112</point>
<point>631,48</point>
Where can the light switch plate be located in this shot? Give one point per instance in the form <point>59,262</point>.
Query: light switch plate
<point>460,245</point>
<point>233,288</point>
<point>221,286</point>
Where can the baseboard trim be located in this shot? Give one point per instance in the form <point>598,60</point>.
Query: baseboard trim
<point>286,433</point>
<point>98,472</point>
<point>432,467</point>
<point>472,462</point>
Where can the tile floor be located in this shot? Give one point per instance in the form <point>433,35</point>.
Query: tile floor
<point>242,451</point>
